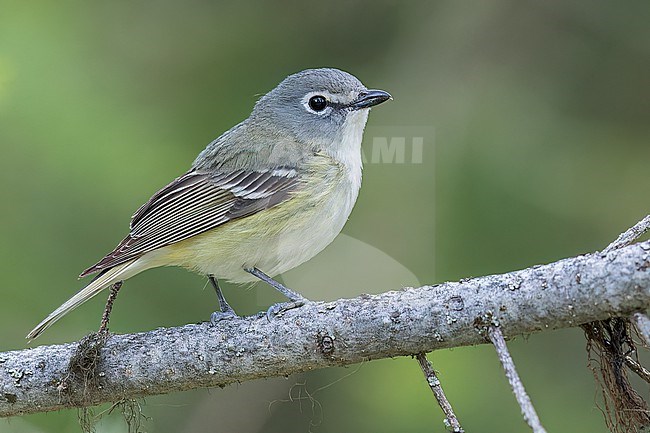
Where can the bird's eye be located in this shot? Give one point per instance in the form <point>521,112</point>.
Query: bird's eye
<point>317,103</point>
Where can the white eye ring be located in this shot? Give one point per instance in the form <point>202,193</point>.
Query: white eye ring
<point>307,102</point>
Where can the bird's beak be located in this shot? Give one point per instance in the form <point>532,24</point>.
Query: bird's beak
<point>370,98</point>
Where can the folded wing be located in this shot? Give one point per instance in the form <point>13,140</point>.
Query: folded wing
<point>195,203</point>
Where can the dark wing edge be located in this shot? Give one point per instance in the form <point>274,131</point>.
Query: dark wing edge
<point>195,203</point>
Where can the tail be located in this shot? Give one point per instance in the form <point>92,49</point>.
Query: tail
<point>102,281</point>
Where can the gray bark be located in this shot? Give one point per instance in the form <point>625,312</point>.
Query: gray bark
<point>527,409</point>
<point>451,421</point>
<point>403,322</point>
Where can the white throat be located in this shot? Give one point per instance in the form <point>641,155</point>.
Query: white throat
<point>348,150</point>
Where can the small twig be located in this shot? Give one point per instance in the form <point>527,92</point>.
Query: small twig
<point>527,409</point>
<point>642,323</point>
<point>630,235</point>
<point>430,375</point>
<point>115,288</point>
<point>640,370</point>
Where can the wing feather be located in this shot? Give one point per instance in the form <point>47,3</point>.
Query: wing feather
<point>195,203</point>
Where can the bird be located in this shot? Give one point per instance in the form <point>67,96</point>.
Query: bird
<point>262,198</point>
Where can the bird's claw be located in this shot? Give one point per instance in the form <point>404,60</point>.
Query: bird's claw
<point>218,316</point>
<point>277,310</point>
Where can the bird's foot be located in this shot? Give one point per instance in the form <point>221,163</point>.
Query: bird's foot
<point>218,316</point>
<point>278,309</point>
<point>295,299</point>
<point>227,311</point>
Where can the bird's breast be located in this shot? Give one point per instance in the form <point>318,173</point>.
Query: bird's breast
<point>282,237</point>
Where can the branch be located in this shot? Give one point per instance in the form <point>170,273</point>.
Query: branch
<point>527,409</point>
<point>610,346</point>
<point>642,323</point>
<point>451,422</point>
<point>630,235</point>
<point>409,321</point>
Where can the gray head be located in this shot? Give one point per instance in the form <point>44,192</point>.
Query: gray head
<point>318,107</point>
<point>323,110</point>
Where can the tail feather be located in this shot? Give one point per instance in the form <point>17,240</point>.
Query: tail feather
<point>102,281</point>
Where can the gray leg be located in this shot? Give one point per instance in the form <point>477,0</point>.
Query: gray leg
<point>226,310</point>
<point>295,298</point>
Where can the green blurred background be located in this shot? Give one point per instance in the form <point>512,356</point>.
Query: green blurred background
<point>534,121</point>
